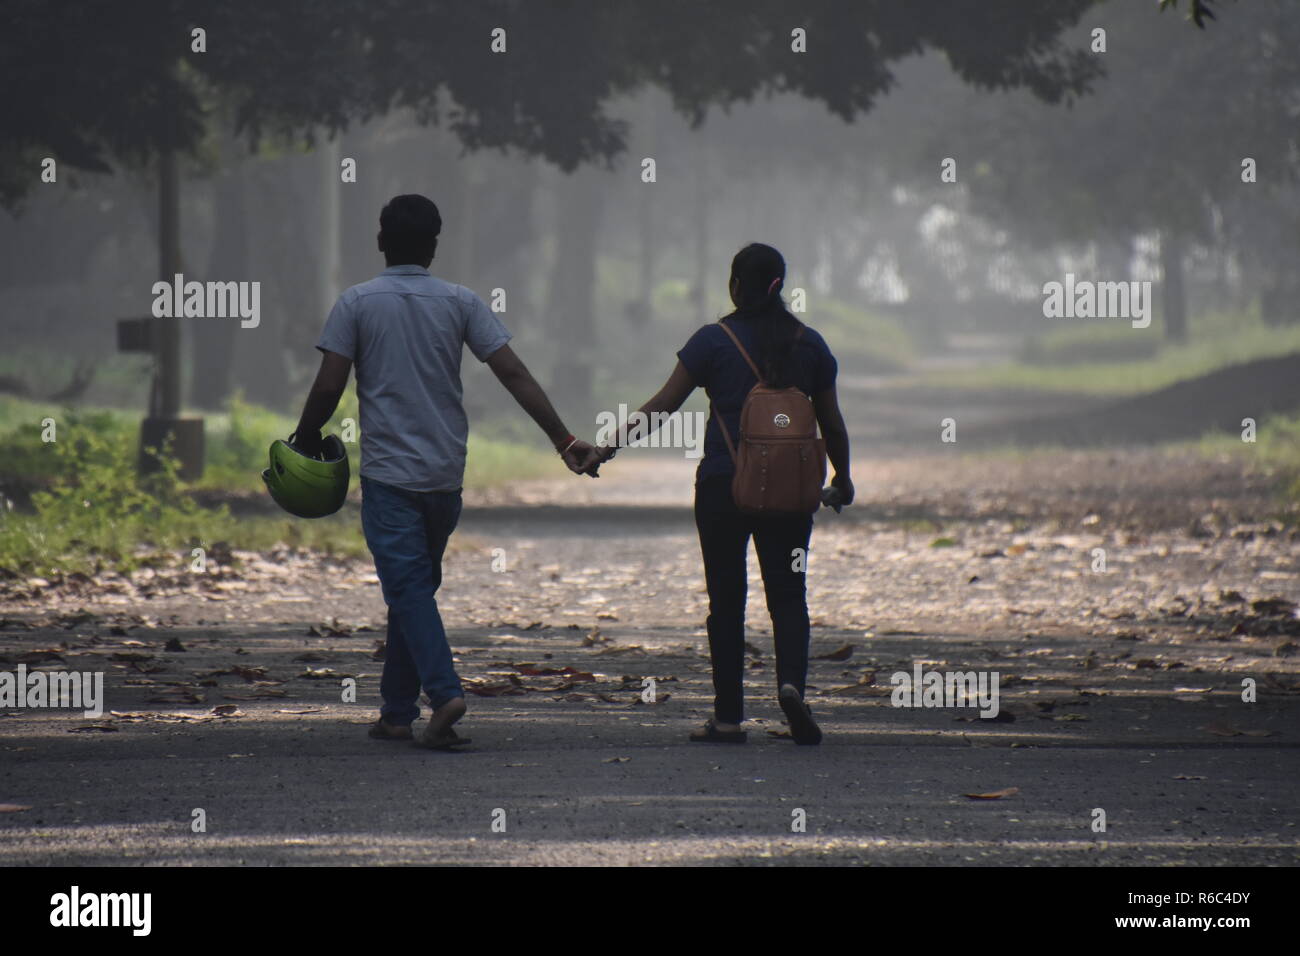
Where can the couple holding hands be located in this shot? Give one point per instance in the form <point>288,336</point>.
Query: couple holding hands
<point>405,332</point>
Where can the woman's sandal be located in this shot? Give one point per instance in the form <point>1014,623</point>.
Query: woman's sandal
<point>803,728</point>
<point>710,734</point>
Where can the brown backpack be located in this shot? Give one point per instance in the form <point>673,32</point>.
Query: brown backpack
<point>781,463</point>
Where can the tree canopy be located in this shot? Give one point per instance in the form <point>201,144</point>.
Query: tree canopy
<point>95,83</point>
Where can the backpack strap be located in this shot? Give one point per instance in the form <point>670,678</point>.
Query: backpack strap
<point>748,361</point>
<point>726,435</point>
<point>722,426</point>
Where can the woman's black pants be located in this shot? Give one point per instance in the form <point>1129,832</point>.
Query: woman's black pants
<point>782,545</point>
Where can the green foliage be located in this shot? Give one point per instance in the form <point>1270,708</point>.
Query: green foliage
<point>1275,451</point>
<point>93,511</point>
<point>239,439</point>
<point>237,443</point>
<point>30,462</point>
<point>99,510</point>
<point>492,462</point>
<point>1276,446</point>
<point>1092,343</point>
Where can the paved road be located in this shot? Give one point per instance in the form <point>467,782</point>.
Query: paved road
<point>1123,694</point>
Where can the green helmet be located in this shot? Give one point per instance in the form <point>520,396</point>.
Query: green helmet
<point>308,487</point>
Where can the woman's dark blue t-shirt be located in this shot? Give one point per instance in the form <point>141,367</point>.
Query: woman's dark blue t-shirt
<point>716,365</point>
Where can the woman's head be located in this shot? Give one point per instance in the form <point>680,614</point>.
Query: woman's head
<point>757,276</point>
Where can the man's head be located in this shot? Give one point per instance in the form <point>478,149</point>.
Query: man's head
<point>408,231</point>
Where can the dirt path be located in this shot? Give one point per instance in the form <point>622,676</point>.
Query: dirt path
<point>1119,690</point>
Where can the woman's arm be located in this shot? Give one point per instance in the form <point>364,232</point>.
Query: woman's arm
<point>827,406</point>
<point>668,399</point>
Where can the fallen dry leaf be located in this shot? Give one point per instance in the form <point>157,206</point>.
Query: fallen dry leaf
<point>993,794</point>
<point>322,673</point>
<point>865,685</point>
<point>1221,730</point>
<point>510,688</point>
<point>528,670</point>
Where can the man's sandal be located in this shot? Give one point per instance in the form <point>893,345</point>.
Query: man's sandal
<point>438,734</point>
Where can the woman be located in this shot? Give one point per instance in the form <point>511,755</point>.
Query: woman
<point>789,354</point>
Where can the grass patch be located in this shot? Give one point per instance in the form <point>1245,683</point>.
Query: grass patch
<point>91,510</point>
<point>1114,359</point>
<point>237,441</point>
<point>862,340</point>
<point>98,511</point>
<point>1276,450</point>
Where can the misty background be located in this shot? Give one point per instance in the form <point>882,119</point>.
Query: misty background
<point>915,282</point>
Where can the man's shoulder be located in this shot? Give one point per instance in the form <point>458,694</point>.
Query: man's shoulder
<point>389,283</point>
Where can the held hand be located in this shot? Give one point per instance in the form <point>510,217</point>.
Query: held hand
<point>306,443</point>
<point>583,459</point>
<point>844,485</point>
<point>603,454</point>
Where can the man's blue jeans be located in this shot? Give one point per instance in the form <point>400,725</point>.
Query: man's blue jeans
<point>407,532</point>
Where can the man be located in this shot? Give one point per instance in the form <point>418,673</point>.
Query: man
<point>404,330</point>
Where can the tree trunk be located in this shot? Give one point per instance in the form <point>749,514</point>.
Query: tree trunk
<point>1174,291</point>
<point>331,206</point>
<point>212,343</point>
<point>166,401</point>
<point>573,282</point>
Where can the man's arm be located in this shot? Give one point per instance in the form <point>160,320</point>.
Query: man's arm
<point>326,390</point>
<point>519,382</point>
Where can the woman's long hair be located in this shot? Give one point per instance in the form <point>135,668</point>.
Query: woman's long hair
<point>759,271</point>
